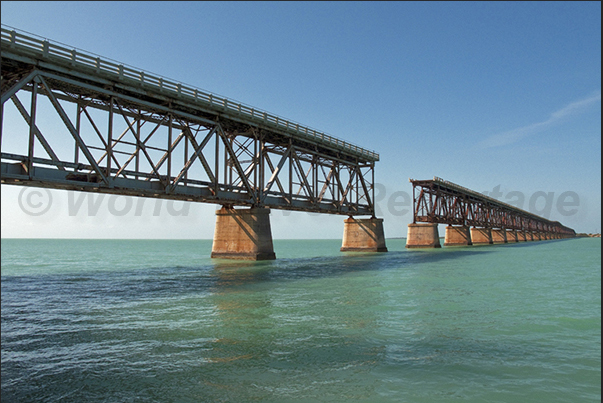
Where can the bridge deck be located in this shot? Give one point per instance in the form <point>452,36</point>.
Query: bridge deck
<point>19,47</point>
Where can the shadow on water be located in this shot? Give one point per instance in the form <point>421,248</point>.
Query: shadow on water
<point>233,274</point>
<point>225,275</point>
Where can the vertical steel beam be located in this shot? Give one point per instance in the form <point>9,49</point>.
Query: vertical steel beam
<point>217,164</point>
<point>32,128</point>
<point>291,171</point>
<point>1,122</point>
<point>110,135</point>
<point>261,167</point>
<point>169,145</point>
<point>185,158</point>
<point>373,187</point>
<point>78,128</point>
<point>137,137</point>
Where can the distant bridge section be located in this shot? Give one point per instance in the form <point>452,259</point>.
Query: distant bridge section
<point>437,201</point>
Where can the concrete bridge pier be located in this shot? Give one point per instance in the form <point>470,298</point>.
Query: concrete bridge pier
<point>457,236</point>
<point>481,236</point>
<point>536,236</point>
<point>511,236</point>
<point>363,235</point>
<point>243,234</point>
<point>499,235</point>
<point>423,236</point>
<point>521,236</point>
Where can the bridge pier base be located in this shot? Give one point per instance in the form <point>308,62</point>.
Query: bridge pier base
<point>243,234</point>
<point>457,236</point>
<point>363,235</point>
<point>499,236</point>
<point>481,236</point>
<point>423,236</point>
<point>511,236</point>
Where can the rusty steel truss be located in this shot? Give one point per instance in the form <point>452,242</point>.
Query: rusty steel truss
<point>443,202</point>
<point>72,120</point>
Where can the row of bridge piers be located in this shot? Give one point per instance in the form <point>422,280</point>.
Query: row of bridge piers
<point>427,236</point>
<point>245,234</point>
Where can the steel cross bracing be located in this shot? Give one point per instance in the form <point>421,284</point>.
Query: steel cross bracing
<point>90,125</point>
<point>443,202</point>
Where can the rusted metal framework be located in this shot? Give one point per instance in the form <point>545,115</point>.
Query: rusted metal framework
<point>443,202</point>
<point>90,124</point>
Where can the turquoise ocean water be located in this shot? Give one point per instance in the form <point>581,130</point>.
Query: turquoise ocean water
<point>158,321</point>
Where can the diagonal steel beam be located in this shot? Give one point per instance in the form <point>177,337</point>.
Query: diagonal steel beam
<point>338,197</point>
<point>365,188</point>
<point>73,131</point>
<point>169,151</point>
<point>327,183</point>
<point>275,172</point>
<point>141,146</point>
<point>115,142</point>
<point>100,136</point>
<point>236,163</point>
<point>275,178</point>
<point>20,84</point>
<point>302,177</point>
<point>349,186</point>
<point>198,148</point>
<point>37,132</point>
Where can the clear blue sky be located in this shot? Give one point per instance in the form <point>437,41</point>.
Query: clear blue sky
<point>502,96</point>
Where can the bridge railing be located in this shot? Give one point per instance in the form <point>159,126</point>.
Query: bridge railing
<point>44,48</point>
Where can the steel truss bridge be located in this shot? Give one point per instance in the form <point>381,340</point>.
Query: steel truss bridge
<point>442,202</point>
<point>82,122</point>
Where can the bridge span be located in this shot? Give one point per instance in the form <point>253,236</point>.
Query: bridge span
<point>472,218</point>
<point>110,128</point>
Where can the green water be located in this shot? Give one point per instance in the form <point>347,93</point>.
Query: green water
<point>158,321</point>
